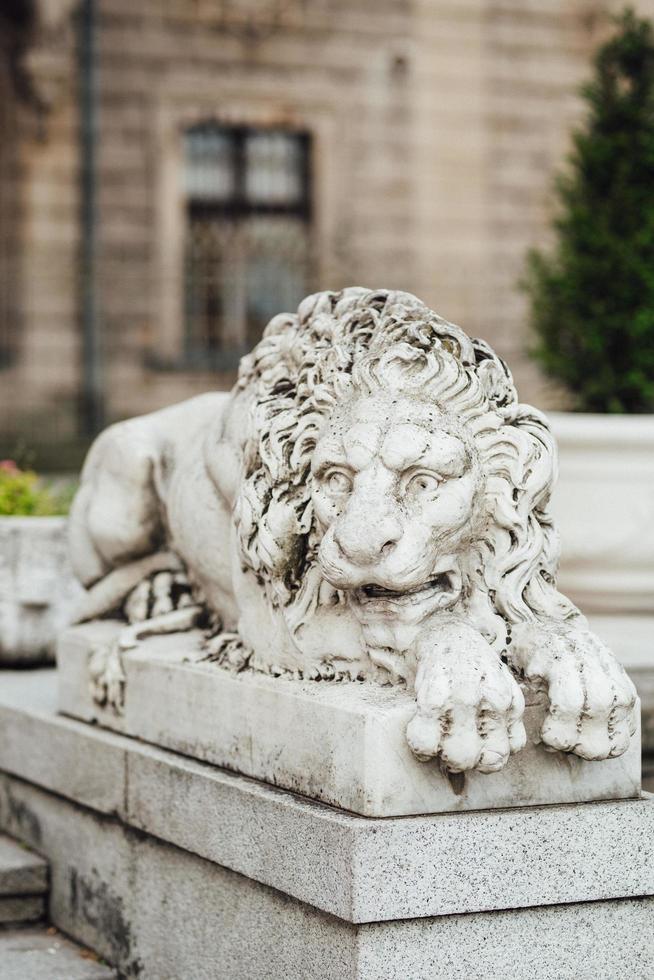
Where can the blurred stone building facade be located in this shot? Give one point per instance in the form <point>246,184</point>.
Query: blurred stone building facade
<point>176,171</point>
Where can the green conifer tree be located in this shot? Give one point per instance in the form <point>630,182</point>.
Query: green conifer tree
<point>592,297</point>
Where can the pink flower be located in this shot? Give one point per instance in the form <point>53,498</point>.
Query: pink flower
<point>8,466</point>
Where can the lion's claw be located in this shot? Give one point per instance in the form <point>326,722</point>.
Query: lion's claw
<point>228,651</point>
<point>107,677</point>
<point>591,698</point>
<point>469,705</point>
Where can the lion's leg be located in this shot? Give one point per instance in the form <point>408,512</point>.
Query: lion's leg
<point>109,594</point>
<point>163,602</point>
<point>120,512</point>
<point>116,514</point>
<point>469,706</point>
<point>106,670</point>
<point>591,699</point>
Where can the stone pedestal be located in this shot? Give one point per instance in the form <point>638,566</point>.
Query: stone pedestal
<point>172,867</point>
<point>341,743</point>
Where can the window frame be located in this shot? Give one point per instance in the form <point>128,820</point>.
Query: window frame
<point>237,208</point>
<point>178,105</point>
<point>238,205</point>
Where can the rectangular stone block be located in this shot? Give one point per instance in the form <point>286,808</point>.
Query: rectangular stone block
<point>343,744</point>
<point>21,908</point>
<point>21,872</point>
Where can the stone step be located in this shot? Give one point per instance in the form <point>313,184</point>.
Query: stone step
<point>42,953</point>
<point>23,883</point>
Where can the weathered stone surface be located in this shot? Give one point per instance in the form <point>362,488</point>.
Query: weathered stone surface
<point>38,590</point>
<point>57,753</point>
<point>154,910</point>
<point>23,884</point>
<point>21,871</point>
<point>157,911</point>
<point>21,908</point>
<point>44,954</point>
<point>360,869</point>
<point>370,504</point>
<point>342,744</point>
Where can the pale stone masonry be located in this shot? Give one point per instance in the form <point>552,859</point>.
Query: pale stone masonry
<point>436,130</point>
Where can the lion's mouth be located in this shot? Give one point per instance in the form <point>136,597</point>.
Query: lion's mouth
<point>372,592</point>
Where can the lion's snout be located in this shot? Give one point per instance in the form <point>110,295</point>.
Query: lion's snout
<point>381,557</point>
<point>365,543</point>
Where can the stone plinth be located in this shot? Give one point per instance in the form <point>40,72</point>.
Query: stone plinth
<point>341,743</point>
<point>173,868</point>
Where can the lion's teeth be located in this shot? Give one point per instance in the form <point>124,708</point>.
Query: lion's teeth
<point>379,592</point>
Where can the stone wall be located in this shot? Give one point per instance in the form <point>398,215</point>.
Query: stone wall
<point>38,387</point>
<point>437,127</point>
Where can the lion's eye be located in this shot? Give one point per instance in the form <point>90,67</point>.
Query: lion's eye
<point>337,483</point>
<point>423,483</point>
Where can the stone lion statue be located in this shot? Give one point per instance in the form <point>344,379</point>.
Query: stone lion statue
<point>368,504</point>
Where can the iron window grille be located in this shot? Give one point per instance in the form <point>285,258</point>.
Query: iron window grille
<point>247,246</point>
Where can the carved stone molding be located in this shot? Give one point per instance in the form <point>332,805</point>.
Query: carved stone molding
<point>252,20</point>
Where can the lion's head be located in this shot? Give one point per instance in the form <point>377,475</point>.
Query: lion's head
<point>388,456</point>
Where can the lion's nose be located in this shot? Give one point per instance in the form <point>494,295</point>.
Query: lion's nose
<point>363,544</point>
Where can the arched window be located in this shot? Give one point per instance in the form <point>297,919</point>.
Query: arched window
<point>247,247</point>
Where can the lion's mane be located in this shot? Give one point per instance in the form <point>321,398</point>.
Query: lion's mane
<point>360,340</point>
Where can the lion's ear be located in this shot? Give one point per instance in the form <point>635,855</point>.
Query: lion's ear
<point>316,303</point>
<point>282,324</point>
<point>495,378</point>
<point>282,535</point>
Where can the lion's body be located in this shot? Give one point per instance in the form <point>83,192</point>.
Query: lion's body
<point>370,501</point>
<point>149,481</point>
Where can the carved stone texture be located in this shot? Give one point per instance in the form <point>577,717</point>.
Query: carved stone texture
<point>370,503</point>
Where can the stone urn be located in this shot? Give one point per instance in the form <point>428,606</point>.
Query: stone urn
<point>603,506</point>
<point>37,588</point>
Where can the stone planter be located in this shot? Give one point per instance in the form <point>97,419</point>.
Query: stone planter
<point>604,509</point>
<point>37,588</point>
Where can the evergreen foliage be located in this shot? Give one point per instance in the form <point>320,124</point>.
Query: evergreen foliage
<point>592,298</point>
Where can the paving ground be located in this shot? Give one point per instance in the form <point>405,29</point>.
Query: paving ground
<point>41,953</point>
<point>29,948</point>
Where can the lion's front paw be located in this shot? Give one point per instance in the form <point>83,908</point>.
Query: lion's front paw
<point>107,677</point>
<point>591,699</point>
<point>469,706</point>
